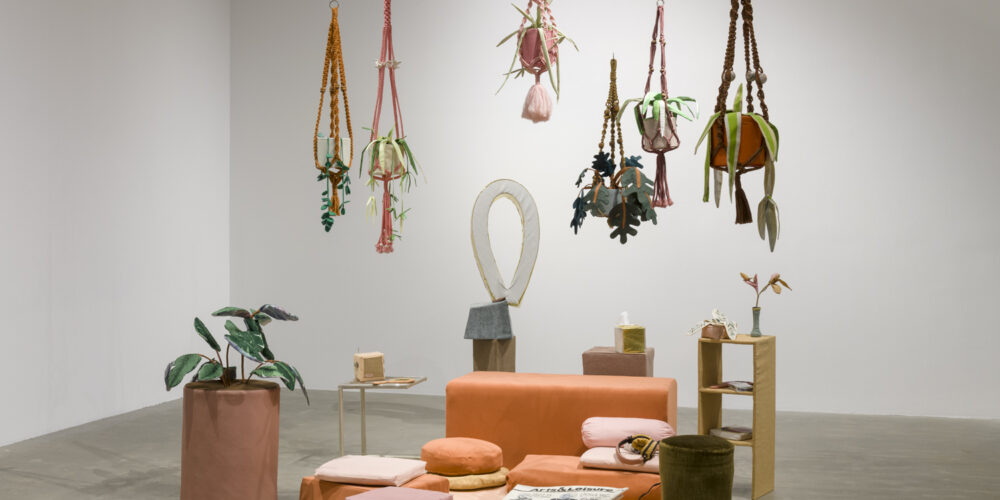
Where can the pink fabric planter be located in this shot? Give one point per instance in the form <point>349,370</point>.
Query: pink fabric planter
<point>532,56</point>
<point>229,444</point>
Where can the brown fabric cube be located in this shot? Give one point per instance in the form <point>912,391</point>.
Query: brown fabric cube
<point>605,361</point>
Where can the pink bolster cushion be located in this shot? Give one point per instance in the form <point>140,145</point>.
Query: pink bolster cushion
<point>609,431</point>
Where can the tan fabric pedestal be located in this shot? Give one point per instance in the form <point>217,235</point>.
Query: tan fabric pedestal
<point>494,355</point>
<point>229,445</point>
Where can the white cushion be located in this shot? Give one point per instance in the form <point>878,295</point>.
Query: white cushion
<point>371,470</point>
<point>604,457</point>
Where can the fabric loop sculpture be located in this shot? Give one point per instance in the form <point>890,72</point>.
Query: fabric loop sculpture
<point>390,155</point>
<point>742,142</point>
<point>335,164</point>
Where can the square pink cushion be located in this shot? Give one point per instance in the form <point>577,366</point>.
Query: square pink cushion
<point>393,493</point>
<point>370,469</point>
<point>609,431</point>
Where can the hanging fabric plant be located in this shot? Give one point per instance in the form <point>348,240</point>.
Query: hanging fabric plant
<point>538,42</point>
<point>743,142</point>
<point>390,155</point>
<point>656,113</point>
<point>627,196</point>
<point>338,151</point>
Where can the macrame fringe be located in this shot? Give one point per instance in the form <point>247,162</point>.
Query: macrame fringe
<point>538,104</point>
<point>661,193</point>
<point>743,214</point>
<point>384,244</point>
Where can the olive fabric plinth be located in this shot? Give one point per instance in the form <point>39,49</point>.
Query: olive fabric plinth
<point>229,444</point>
<point>696,468</point>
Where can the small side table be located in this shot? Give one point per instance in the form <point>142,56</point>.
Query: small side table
<point>363,386</point>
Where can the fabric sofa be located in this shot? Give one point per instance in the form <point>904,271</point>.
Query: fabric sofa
<point>536,420</point>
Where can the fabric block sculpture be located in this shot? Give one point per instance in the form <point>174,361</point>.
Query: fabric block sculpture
<point>390,155</point>
<point>741,142</point>
<point>489,325</point>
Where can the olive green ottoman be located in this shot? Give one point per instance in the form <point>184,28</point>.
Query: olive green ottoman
<point>696,468</point>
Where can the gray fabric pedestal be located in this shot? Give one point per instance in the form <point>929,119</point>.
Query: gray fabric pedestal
<point>489,321</point>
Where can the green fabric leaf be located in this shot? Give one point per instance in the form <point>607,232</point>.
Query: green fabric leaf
<point>302,385</point>
<point>209,371</point>
<point>267,371</point>
<point>708,168</point>
<point>734,121</point>
<point>548,63</point>
<point>770,139</point>
<point>704,133</point>
<point>263,319</point>
<point>769,172</point>
<point>738,100</point>
<point>761,222</point>
<point>287,375</point>
<point>205,334</point>
<point>248,344</point>
<point>181,366</point>
<point>278,313</point>
<point>718,187</point>
<point>232,311</point>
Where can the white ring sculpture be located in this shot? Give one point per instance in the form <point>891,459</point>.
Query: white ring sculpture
<point>482,250</point>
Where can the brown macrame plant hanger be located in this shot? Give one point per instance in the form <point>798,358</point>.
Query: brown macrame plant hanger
<point>664,140</point>
<point>754,159</point>
<point>334,168</point>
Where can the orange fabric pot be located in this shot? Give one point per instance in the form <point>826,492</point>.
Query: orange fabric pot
<point>751,141</point>
<point>229,446</point>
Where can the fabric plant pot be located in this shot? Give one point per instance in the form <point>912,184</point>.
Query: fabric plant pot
<point>229,446</point>
<point>753,151</point>
<point>604,204</point>
<point>384,158</point>
<point>714,332</point>
<point>658,136</point>
<point>532,54</point>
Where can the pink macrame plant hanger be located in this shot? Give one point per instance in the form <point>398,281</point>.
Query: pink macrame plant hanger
<point>390,155</point>
<point>538,52</point>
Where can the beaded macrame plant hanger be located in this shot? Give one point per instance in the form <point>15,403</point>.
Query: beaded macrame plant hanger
<point>665,138</point>
<point>333,169</point>
<point>390,156</point>
<point>760,157</point>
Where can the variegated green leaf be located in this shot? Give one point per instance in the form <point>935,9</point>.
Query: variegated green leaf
<point>209,371</point>
<point>548,64</point>
<point>267,371</point>
<point>704,133</point>
<point>769,172</point>
<point>734,121</point>
<point>232,311</point>
<point>762,218</point>
<point>772,223</point>
<point>181,366</point>
<point>287,375</point>
<point>770,140</point>
<point>205,334</point>
<point>718,187</point>
<point>738,99</point>
<point>278,313</point>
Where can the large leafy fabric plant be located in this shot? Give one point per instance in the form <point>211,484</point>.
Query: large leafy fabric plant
<point>250,344</point>
<point>338,151</point>
<point>538,41</point>
<point>390,154</point>
<point>656,113</point>
<point>626,199</point>
<point>741,142</point>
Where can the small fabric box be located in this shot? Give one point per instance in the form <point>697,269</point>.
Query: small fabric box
<point>605,361</point>
<point>369,366</point>
<point>630,339</point>
<point>394,493</point>
<point>489,321</point>
<point>493,355</point>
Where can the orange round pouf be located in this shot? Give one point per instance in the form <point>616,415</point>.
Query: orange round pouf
<point>459,456</point>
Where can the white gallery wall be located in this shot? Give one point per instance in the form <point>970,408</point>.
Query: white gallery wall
<point>886,185</point>
<point>114,201</point>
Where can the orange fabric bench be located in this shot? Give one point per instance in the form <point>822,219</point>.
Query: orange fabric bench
<point>313,488</point>
<point>541,414</point>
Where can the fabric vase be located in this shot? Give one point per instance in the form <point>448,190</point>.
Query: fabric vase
<point>756,323</point>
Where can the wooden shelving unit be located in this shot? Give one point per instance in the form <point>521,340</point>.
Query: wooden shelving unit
<point>710,402</point>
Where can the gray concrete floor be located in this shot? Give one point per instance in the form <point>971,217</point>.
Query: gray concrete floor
<point>819,456</point>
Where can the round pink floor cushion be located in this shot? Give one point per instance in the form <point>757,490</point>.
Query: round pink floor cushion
<point>459,456</point>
